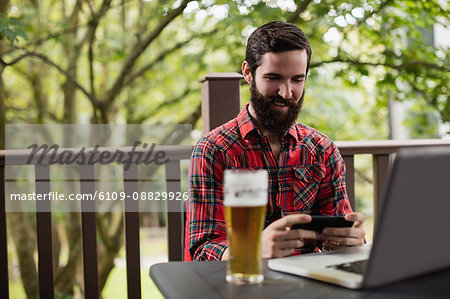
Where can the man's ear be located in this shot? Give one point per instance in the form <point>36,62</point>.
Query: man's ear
<point>246,72</point>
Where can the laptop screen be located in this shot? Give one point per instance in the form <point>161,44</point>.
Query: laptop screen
<point>412,233</point>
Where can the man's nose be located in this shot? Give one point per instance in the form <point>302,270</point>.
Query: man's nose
<point>285,90</point>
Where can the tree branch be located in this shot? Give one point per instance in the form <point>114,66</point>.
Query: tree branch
<point>161,56</point>
<point>73,19</point>
<point>139,49</point>
<point>49,114</point>
<point>347,29</point>
<point>91,31</point>
<point>164,104</point>
<point>91,8</point>
<point>416,88</point>
<point>90,35</point>
<point>301,7</point>
<point>393,66</point>
<point>91,60</point>
<point>48,61</point>
<point>375,11</point>
<point>44,39</point>
<point>177,136</point>
<point>103,231</point>
<point>363,177</point>
<point>194,117</point>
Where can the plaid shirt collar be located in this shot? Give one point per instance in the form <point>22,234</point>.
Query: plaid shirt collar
<point>246,125</point>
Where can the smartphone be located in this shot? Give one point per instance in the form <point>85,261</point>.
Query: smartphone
<point>318,223</point>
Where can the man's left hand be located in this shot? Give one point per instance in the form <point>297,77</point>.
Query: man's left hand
<point>337,237</point>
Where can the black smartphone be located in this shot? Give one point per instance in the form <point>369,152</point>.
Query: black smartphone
<point>318,223</point>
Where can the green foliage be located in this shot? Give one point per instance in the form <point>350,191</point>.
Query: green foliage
<point>385,41</point>
<point>422,122</point>
<point>12,28</point>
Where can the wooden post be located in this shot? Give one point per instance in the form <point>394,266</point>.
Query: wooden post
<point>89,229</point>
<point>4,285</point>
<point>44,233</point>
<point>350,179</point>
<point>175,225</point>
<point>220,99</point>
<point>380,174</point>
<point>132,240</point>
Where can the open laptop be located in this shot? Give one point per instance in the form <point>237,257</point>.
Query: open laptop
<point>412,235</point>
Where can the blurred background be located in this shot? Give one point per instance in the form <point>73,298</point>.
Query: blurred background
<point>379,70</point>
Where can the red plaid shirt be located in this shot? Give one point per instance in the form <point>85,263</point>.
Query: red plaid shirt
<point>308,178</point>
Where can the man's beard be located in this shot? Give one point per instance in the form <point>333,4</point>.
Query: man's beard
<point>269,118</point>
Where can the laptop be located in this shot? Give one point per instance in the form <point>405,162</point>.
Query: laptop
<point>412,234</point>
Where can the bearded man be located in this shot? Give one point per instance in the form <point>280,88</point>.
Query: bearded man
<point>306,170</point>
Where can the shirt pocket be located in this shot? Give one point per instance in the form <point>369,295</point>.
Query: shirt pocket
<point>306,181</point>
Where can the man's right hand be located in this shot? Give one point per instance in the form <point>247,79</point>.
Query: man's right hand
<point>278,240</point>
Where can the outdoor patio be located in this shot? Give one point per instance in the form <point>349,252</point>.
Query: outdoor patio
<point>218,106</point>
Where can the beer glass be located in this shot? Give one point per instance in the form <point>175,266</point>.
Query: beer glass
<point>245,201</point>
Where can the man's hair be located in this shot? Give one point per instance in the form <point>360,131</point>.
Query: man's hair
<point>275,37</point>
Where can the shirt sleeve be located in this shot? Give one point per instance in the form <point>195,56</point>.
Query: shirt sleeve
<point>332,196</point>
<point>205,215</point>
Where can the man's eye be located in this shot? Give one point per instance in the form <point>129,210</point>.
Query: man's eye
<point>297,80</point>
<point>271,78</point>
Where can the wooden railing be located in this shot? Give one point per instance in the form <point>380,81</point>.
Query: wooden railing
<point>174,154</point>
<point>380,151</point>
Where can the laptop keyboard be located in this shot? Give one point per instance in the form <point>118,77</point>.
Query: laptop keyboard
<point>354,267</point>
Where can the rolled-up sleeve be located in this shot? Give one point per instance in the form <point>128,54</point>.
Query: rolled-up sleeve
<point>205,216</point>
<point>332,196</point>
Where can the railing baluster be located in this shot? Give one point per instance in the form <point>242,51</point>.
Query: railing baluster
<point>4,285</point>
<point>89,229</point>
<point>380,174</point>
<point>132,232</point>
<point>350,179</point>
<point>174,212</point>
<point>44,233</point>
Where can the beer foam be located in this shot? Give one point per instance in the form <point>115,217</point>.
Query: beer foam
<point>244,188</point>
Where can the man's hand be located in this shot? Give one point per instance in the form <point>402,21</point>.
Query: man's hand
<point>278,240</point>
<point>226,255</point>
<point>335,237</point>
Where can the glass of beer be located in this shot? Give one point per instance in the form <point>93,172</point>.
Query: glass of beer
<point>245,201</point>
